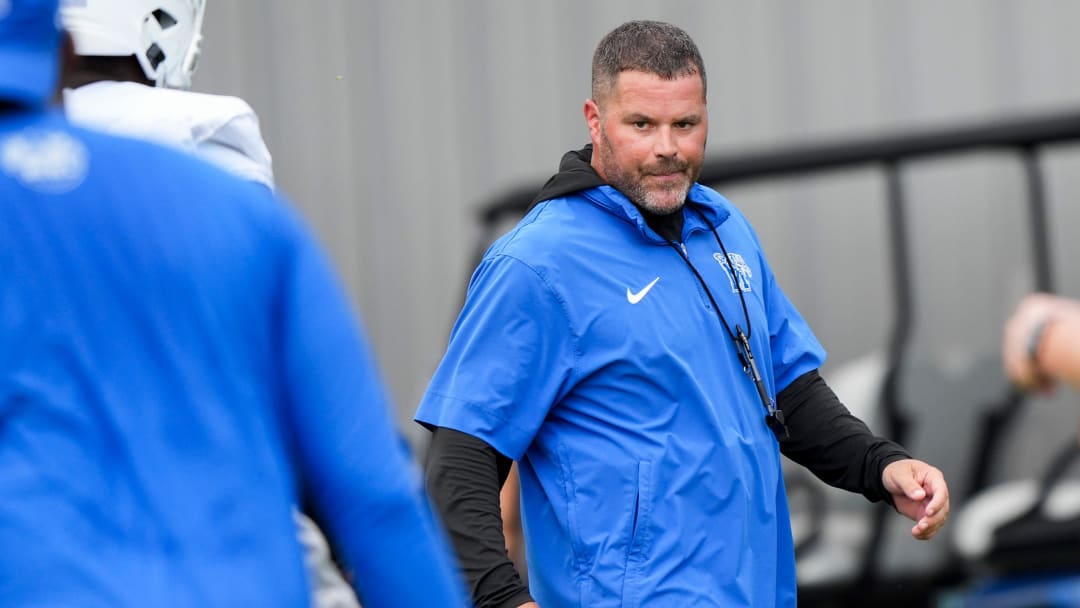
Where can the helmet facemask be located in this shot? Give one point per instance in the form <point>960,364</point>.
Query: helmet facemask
<point>163,35</point>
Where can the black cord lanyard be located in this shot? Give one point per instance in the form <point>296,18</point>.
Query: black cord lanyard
<point>774,418</point>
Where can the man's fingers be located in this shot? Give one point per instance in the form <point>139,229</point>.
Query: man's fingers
<point>939,495</point>
<point>907,481</point>
<point>936,510</point>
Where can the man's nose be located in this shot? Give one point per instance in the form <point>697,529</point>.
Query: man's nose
<point>664,144</point>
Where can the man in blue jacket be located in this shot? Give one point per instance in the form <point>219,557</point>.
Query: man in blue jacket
<point>628,345</point>
<point>178,368</point>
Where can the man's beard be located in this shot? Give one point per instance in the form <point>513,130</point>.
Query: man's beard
<point>634,188</point>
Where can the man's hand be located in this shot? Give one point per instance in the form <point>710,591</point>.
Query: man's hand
<point>1034,310</point>
<point>919,493</point>
<point>529,605</point>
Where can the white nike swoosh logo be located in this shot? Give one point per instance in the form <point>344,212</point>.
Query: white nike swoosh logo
<point>634,298</point>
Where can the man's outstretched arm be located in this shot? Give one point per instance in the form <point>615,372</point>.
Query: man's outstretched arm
<point>355,470</point>
<point>842,451</point>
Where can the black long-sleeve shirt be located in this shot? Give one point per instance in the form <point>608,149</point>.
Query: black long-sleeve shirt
<point>465,474</point>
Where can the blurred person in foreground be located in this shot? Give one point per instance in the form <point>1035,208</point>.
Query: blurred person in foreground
<point>134,62</point>
<point>628,345</point>
<point>178,368</point>
<point>1041,345</point>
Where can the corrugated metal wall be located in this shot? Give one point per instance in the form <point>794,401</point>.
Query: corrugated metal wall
<point>391,121</point>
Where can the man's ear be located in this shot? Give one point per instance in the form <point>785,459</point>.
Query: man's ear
<point>592,119</point>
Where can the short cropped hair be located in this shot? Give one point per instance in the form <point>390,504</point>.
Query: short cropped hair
<point>652,47</point>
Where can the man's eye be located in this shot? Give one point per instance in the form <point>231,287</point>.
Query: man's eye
<point>640,124</point>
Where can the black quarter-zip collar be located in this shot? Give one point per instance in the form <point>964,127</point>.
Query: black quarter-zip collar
<point>575,174</point>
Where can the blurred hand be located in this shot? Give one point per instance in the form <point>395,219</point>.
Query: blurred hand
<point>1016,341</point>
<point>529,605</point>
<point>919,493</point>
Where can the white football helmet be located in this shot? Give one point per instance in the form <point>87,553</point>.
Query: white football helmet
<point>163,35</point>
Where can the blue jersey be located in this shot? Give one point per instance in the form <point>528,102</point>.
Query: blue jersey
<point>177,367</point>
<point>589,351</point>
